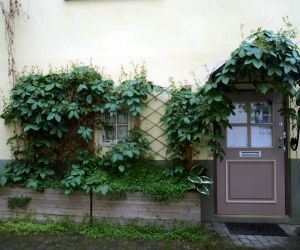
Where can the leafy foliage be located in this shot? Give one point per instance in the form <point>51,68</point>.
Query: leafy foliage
<point>268,60</point>
<point>18,202</point>
<point>143,176</point>
<point>58,114</point>
<point>132,230</point>
<point>199,181</point>
<point>188,124</point>
<point>149,179</point>
<point>86,174</point>
<point>125,153</point>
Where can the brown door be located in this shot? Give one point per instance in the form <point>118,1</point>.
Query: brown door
<point>251,178</point>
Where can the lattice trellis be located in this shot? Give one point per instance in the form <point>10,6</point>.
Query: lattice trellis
<point>152,126</point>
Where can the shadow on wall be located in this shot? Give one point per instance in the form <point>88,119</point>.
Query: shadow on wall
<point>2,165</point>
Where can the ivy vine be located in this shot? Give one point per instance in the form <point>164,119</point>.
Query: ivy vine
<point>269,61</point>
<point>10,10</point>
<point>59,113</point>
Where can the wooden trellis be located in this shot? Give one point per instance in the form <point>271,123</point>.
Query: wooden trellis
<point>152,126</point>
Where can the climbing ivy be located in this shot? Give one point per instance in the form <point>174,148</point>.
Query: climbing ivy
<point>269,61</point>
<point>58,114</point>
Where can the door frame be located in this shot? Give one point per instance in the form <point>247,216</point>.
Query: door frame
<point>287,171</point>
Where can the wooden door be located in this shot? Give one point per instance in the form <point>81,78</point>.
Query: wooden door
<point>251,178</point>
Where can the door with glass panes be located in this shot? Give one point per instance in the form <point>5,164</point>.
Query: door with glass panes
<point>251,178</point>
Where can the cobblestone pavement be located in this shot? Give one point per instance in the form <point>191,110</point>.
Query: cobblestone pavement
<point>262,242</point>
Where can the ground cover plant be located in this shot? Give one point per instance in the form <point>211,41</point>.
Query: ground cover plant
<point>131,231</point>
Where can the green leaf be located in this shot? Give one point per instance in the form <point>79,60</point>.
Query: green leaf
<point>81,87</point>
<point>103,189</point>
<point>186,120</point>
<point>257,53</point>
<point>3,180</point>
<point>49,86</point>
<point>257,63</point>
<point>262,88</point>
<point>71,114</point>
<point>225,79</point>
<point>86,133</point>
<point>31,183</point>
<point>116,157</point>
<point>242,53</point>
<point>129,93</point>
<point>218,98</point>
<point>43,175</point>
<point>206,180</point>
<point>121,168</point>
<point>50,116</point>
<point>203,190</point>
<point>195,179</point>
<point>57,117</point>
<point>197,170</point>
<point>129,153</point>
<point>31,127</point>
<point>59,133</point>
<point>34,106</point>
<point>89,99</point>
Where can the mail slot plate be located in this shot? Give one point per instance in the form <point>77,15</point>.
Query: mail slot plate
<point>253,154</point>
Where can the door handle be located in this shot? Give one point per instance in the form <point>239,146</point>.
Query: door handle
<point>283,140</point>
<point>281,146</point>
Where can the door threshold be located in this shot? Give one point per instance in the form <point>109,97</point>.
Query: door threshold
<point>252,218</point>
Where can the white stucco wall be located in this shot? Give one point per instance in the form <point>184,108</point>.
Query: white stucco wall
<point>172,37</point>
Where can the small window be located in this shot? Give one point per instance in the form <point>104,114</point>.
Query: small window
<point>115,128</point>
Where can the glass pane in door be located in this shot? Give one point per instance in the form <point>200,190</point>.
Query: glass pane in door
<point>241,114</point>
<point>261,136</point>
<point>261,112</point>
<point>237,137</point>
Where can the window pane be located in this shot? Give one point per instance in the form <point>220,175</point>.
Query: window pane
<point>240,110</point>
<point>110,119</point>
<point>122,118</point>
<point>261,112</point>
<point>237,137</point>
<point>110,133</point>
<point>122,132</point>
<point>261,136</point>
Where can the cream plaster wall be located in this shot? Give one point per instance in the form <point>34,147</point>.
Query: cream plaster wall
<point>173,37</point>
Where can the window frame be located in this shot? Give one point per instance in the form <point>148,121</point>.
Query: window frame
<point>249,124</point>
<point>102,142</point>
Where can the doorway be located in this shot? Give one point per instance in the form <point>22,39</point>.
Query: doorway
<point>251,178</point>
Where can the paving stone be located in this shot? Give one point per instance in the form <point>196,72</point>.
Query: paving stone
<point>249,245</point>
<point>245,241</point>
<point>254,241</point>
<point>258,245</point>
<point>233,237</point>
<point>261,241</point>
<point>260,237</point>
<point>237,242</point>
<point>251,237</point>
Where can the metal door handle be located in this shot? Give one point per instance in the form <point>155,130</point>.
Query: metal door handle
<point>282,138</point>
